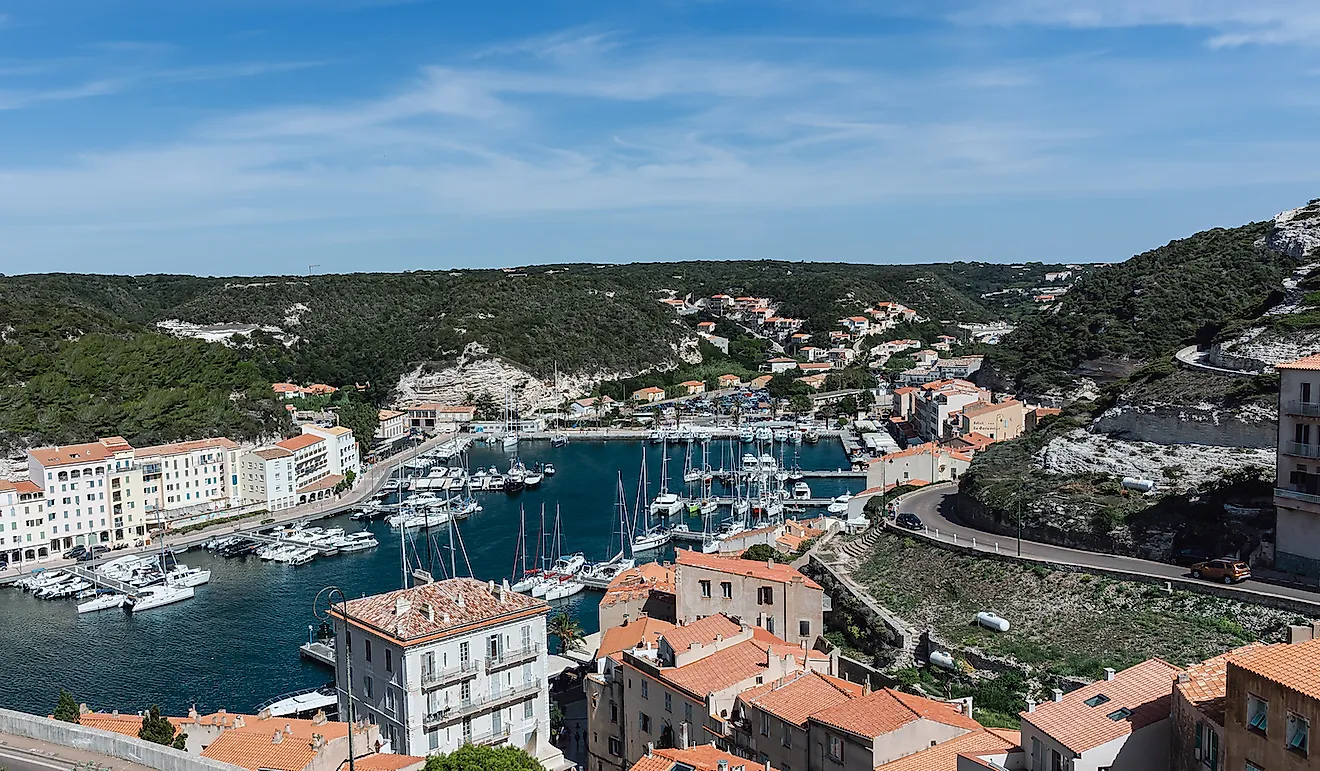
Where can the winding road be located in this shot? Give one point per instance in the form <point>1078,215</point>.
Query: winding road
<point>937,509</point>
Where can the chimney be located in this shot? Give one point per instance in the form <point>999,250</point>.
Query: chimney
<point>1109,673</point>
<point>401,606</point>
<point>459,600</point>
<point>1183,678</point>
<point>1300,634</point>
<point>82,709</point>
<point>1058,694</point>
<point>490,586</point>
<point>445,616</point>
<point>1031,705</point>
<point>288,729</point>
<point>649,747</point>
<point>114,713</point>
<point>239,722</point>
<point>319,718</point>
<point>318,741</point>
<point>723,765</point>
<point>192,713</point>
<point>428,610</point>
<point>769,564</point>
<point>277,738</point>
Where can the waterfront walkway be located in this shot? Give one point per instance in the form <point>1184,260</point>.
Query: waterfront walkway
<point>369,483</point>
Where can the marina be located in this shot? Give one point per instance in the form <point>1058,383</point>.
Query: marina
<point>235,643</point>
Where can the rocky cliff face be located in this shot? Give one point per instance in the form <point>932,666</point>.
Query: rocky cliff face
<point>1296,232</point>
<point>1190,424</point>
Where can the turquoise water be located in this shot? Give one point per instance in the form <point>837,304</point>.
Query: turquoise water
<point>236,644</point>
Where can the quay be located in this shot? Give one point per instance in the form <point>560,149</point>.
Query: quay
<point>318,652</point>
<point>325,551</point>
<point>99,580</point>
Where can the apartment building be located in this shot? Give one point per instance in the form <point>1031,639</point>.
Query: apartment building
<point>810,721</point>
<point>433,416</point>
<point>682,691</point>
<point>936,407</point>
<point>390,425</point>
<point>646,590</point>
<point>995,420</point>
<point>267,476</point>
<point>341,448</point>
<point>1297,489</point>
<point>73,478</point>
<point>23,528</point>
<point>448,663</point>
<point>923,464</point>
<point>1197,715</point>
<point>770,595</point>
<point>1120,722</point>
<point>183,477</point>
<point>313,479</point>
<point>1271,704</point>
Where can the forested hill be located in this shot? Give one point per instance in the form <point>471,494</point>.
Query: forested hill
<point>82,355</point>
<point>1121,316</point>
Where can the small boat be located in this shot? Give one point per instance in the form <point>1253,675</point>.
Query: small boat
<point>764,434</point>
<point>666,505</point>
<point>747,435</point>
<point>558,440</point>
<point>182,575</point>
<point>839,505</point>
<point>302,556</point>
<point>509,441</point>
<point>360,541</point>
<point>104,600</point>
<point>801,491</point>
<point>795,436</point>
<point>156,596</point>
<point>532,480</point>
<point>781,434</point>
<point>309,702</point>
<point>652,539</point>
<point>656,436</point>
<point>548,469</point>
<point>812,436</point>
<point>561,589</point>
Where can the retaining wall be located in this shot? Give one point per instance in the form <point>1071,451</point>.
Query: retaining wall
<point>106,743</point>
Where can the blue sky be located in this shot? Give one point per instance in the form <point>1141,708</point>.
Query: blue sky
<point>263,136</point>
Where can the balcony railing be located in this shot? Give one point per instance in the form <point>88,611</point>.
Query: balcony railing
<point>489,737</point>
<point>1296,495</point>
<point>513,657</point>
<point>438,677</point>
<point>1301,450</point>
<point>1310,409</point>
<point>481,703</point>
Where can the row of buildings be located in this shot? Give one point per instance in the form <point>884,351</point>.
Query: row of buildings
<point>108,492</point>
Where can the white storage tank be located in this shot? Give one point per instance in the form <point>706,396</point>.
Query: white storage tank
<point>942,659</point>
<point>993,621</point>
<point>1139,484</point>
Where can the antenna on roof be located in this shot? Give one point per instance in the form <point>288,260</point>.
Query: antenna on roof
<point>314,265</point>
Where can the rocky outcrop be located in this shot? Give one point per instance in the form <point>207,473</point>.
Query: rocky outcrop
<point>1170,466</point>
<point>1296,232</point>
<point>1190,424</point>
<point>1261,349</point>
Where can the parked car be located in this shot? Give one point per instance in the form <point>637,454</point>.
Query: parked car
<point>93,553</point>
<point>1230,571</point>
<point>909,521</point>
<point>75,552</point>
<point>4,564</point>
<point>1187,556</point>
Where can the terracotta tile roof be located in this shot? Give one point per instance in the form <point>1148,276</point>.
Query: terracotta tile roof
<point>702,631</point>
<point>625,637</point>
<point>388,414</point>
<point>649,390</point>
<point>982,408</point>
<point>455,604</point>
<point>1295,667</point>
<point>1207,684</point>
<point>178,448</point>
<point>798,697</point>
<point>271,453</point>
<point>692,383</point>
<point>721,669</point>
<point>286,388</point>
<point>89,452</point>
<point>1145,690</point>
<point>944,756</point>
<point>700,758</point>
<point>639,582</point>
<point>324,483</point>
<point>299,442</point>
<point>260,751</point>
<point>455,409</point>
<point>1307,362</point>
<point>777,571</point>
<point>384,761</point>
<point>337,430</point>
<point>889,710</point>
<point>22,486</point>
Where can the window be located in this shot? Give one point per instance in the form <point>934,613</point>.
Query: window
<point>1097,700</point>
<point>1306,392</point>
<point>1122,713</point>
<point>529,709</point>
<point>645,694</point>
<point>1056,761</point>
<point>687,711</point>
<point>786,734</point>
<point>836,749</point>
<point>669,703</point>
<point>705,588</point>
<point>433,739</point>
<point>464,654</point>
<point>1037,756</point>
<point>614,712</point>
<point>1298,730</point>
<point>389,664</point>
<point>765,724</point>
<point>465,691</point>
<point>1258,714</point>
<point>616,749</point>
<point>1207,746</point>
<point>765,595</point>
<point>804,628</point>
<point>368,650</point>
<point>368,687</point>
<point>644,722</point>
<point>726,589</point>
<point>1253,767</point>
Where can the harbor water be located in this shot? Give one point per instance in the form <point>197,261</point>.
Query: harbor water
<point>235,644</point>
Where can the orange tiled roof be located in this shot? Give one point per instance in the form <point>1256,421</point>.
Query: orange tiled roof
<point>700,758</point>
<point>1207,684</point>
<point>271,453</point>
<point>181,447</point>
<point>944,756</point>
<point>1296,667</point>
<point>981,408</point>
<point>638,582</point>
<point>454,604</point>
<point>627,636</point>
<point>388,414</point>
<point>1144,689</point>
<point>50,457</point>
<point>702,631</point>
<point>721,669</point>
<point>299,442</point>
<point>384,761</point>
<point>888,710</point>
<point>799,696</point>
<point>776,571</point>
<point>1306,362</point>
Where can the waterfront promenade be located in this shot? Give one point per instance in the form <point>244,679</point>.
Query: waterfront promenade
<point>369,483</point>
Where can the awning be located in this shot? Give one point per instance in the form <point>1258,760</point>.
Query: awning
<point>556,665</point>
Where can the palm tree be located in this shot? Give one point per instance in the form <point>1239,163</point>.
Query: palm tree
<point>567,629</point>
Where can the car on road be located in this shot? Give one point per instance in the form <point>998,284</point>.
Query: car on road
<point>75,552</point>
<point>1230,571</point>
<point>909,521</point>
<point>93,553</point>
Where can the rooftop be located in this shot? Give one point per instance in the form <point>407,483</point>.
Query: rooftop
<point>178,448</point>
<point>766,571</point>
<point>1307,362</point>
<point>944,756</point>
<point>888,710</point>
<point>638,582</point>
<point>1295,667</point>
<point>68,454</point>
<point>271,453</point>
<point>1108,709</point>
<point>702,631</point>
<point>299,442</point>
<point>700,758</point>
<point>625,637</point>
<point>724,668</point>
<point>440,609</point>
<point>799,696</point>
<point>982,408</point>
<point>1207,684</point>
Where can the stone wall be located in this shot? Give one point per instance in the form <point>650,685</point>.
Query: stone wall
<point>105,743</point>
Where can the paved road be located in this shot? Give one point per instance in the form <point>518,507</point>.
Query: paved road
<point>937,509</point>
<point>19,753</point>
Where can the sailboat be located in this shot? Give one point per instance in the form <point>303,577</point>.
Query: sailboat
<point>510,438</point>
<point>561,579</point>
<point>666,504</point>
<point>598,575</point>
<point>647,538</point>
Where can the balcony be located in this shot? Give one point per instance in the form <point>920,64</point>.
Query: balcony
<point>1296,495</point>
<point>513,657</point>
<point>1300,450</point>
<point>489,737</point>
<point>1309,409</point>
<point>439,677</point>
<point>481,703</point>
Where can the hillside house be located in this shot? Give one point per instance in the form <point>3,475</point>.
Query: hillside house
<point>730,381</point>
<point>648,395</point>
<point>693,387</point>
<point>780,364</point>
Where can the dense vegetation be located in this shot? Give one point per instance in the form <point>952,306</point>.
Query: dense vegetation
<point>1147,307</point>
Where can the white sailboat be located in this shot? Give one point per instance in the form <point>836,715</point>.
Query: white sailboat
<point>105,599</point>
<point>157,596</point>
<point>510,438</point>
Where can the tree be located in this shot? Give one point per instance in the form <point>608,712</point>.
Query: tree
<point>762,552</point>
<point>472,757</point>
<point>799,403</point>
<point>848,405</point>
<point>67,708</point>
<point>567,629</point>
<point>350,476</point>
<point>160,730</point>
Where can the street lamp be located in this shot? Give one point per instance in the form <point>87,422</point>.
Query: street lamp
<point>329,593</point>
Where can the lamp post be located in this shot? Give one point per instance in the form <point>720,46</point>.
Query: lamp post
<point>329,593</point>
